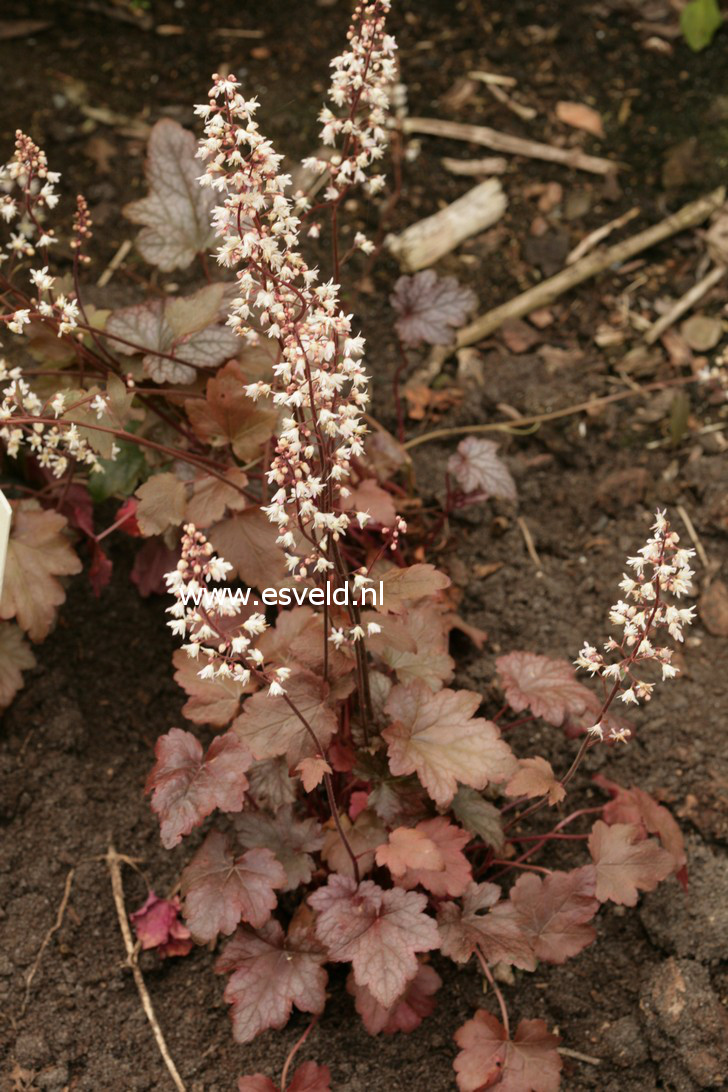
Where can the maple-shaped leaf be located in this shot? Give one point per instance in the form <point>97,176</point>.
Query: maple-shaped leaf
<point>547,686</point>
<point>211,701</point>
<point>378,931</point>
<point>553,911</point>
<point>530,1062</point>
<point>437,737</point>
<point>227,416</point>
<point>209,497</point>
<point>626,862</point>
<point>364,836</point>
<point>269,974</point>
<point>409,847</point>
<point>15,658</point>
<point>271,785</point>
<point>443,869</point>
<point>535,777</point>
<point>407,1012</point>
<point>479,816</point>
<point>157,925</point>
<point>430,660</point>
<point>292,840</point>
<point>248,542</point>
<point>270,727</point>
<point>152,561</point>
<point>481,921</point>
<point>38,552</point>
<point>637,806</point>
<point>297,639</point>
<point>312,771</point>
<point>309,1077</point>
<point>186,787</point>
<point>177,210</point>
<point>477,468</point>
<point>430,308</point>
<point>401,587</point>
<point>162,501</point>
<point>221,890</point>
<point>371,498</point>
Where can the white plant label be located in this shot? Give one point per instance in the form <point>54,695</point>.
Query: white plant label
<point>5,515</point>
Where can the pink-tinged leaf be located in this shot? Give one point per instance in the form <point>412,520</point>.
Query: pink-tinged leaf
<point>530,1062</point>
<point>477,468</point>
<point>15,658</point>
<point>38,553</point>
<point>248,542</point>
<point>292,840</point>
<point>548,687</point>
<point>176,212</point>
<point>257,1082</point>
<point>271,786</point>
<point>407,848</point>
<point>269,974</point>
<point>152,561</point>
<point>297,640</point>
<point>312,771</point>
<point>221,890</point>
<point>407,1012</point>
<point>637,806</point>
<point>157,925</point>
<point>162,500</point>
<point>430,660</point>
<point>437,737</point>
<point>553,911</point>
<point>270,727</point>
<point>209,498</point>
<point>227,416</point>
<point>405,586</point>
<point>310,1077</point>
<point>481,921</point>
<point>430,308</point>
<point>363,836</point>
<point>453,877</point>
<point>378,931</point>
<point>626,863</point>
<point>535,777</point>
<point>370,497</point>
<point>211,701</point>
<point>187,788</point>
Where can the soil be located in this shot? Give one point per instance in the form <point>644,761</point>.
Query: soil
<point>642,1006</point>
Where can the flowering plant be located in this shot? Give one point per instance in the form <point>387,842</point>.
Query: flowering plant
<point>372,814</point>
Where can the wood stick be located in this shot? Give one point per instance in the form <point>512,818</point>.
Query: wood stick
<point>114,264</point>
<point>541,295</point>
<point>493,164</point>
<point>113,862</point>
<point>47,938</point>
<point>528,539</point>
<point>685,303</point>
<point>493,78</point>
<point>590,241</point>
<point>512,145</point>
<point>526,113</point>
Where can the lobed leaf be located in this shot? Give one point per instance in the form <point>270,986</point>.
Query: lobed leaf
<point>157,925</point>
<point>547,686</point>
<point>403,586</point>
<point>407,1012</point>
<point>16,657</point>
<point>626,863</point>
<point>162,499</point>
<point>479,816</point>
<point>553,911</point>
<point>364,836</point>
<point>638,807</point>
<point>270,727</point>
<point>227,416</point>
<point>292,840</point>
<point>430,307</point>
<point>211,701</point>
<point>535,777</point>
<point>530,1062</point>
<point>478,469</point>
<point>186,788</point>
<point>378,931</point>
<point>430,661</point>
<point>209,497</point>
<point>438,862</point>
<point>481,921</point>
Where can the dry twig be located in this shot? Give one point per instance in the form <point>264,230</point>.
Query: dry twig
<point>528,539</point>
<point>114,862</point>
<point>694,537</point>
<point>47,938</point>
<point>590,241</point>
<point>494,164</point>
<point>589,1059</point>
<point>114,264</point>
<point>685,303</point>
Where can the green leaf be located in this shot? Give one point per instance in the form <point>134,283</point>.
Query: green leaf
<point>120,476</point>
<point>699,21</point>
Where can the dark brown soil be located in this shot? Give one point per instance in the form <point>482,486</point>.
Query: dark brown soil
<point>77,743</point>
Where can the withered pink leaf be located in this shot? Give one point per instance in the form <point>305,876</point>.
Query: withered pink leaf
<point>38,552</point>
<point>430,308</point>
<point>535,777</point>
<point>530,1062</point>
<point>221,890</point>
<point>478,468</point>
<point>481,921</point>
<point>157,925</point>
<point>403,586</point>
<point>452,879</point>
<point>407,1012</point>
<point>187,788</point>
<point>292,840</point>
<point>15,658</point>
<point>313,771</point>
<point>625,862</point>
<point>554,910</point>
<point>409,847</point>
<point>437,737</point>
<point>257,1082</point>
<point>378,931</point>
<point>270,727</point>
<point>547,686</point>
<point>430,660</point>
<point>176,212</point>
<point>269,974</point>
<point>637,806</point>
<point>211,701</point>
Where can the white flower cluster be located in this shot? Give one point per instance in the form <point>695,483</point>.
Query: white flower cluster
<point>362,84</point>
<point>319,380</point>
<point>660,567</point>
<point>27,172</point>
<point>229,650</point>
<point>54,446</point>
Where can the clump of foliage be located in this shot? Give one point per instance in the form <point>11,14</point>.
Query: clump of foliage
<point>371,812</point>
